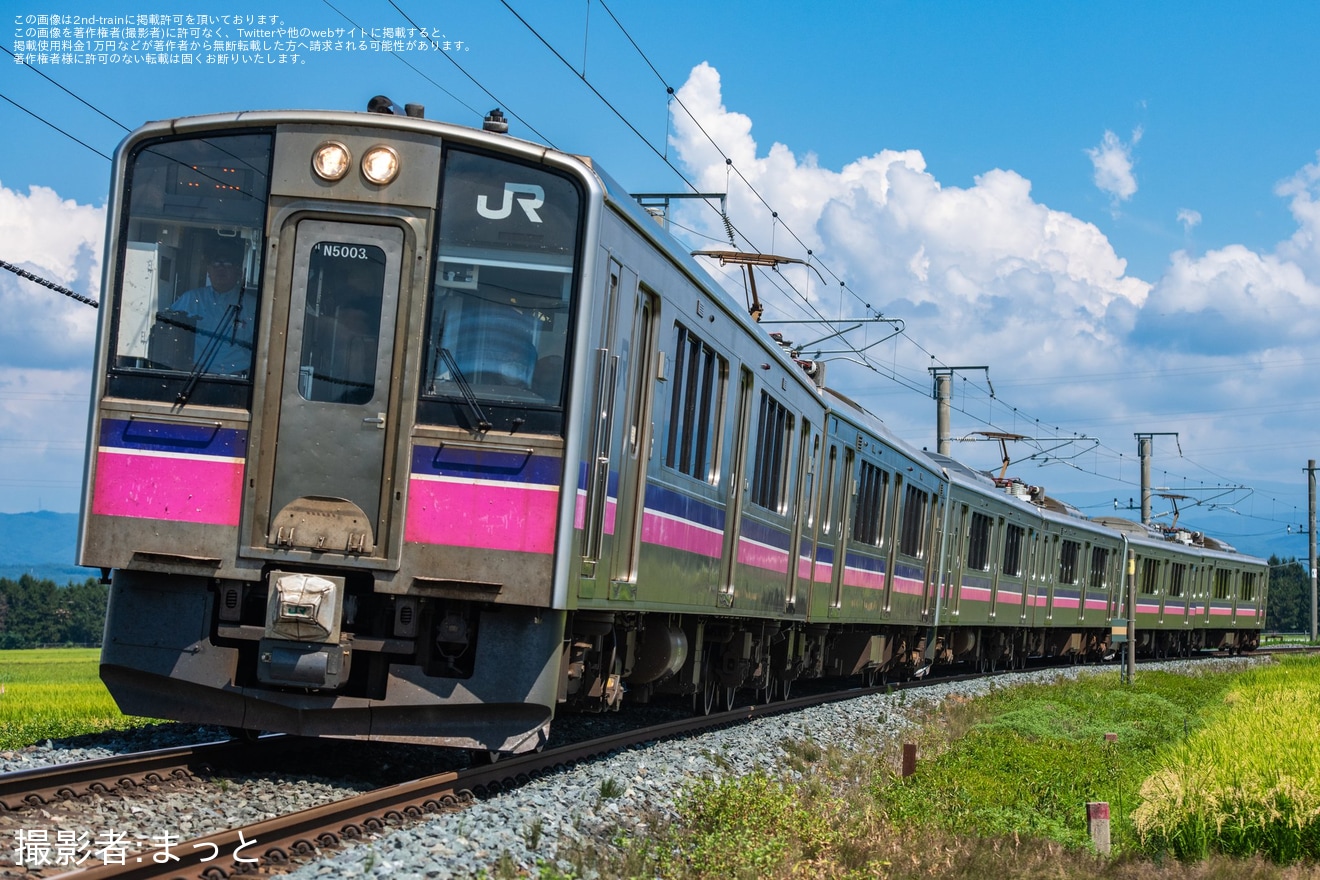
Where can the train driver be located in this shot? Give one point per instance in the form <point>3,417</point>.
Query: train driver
<point>225,312</point>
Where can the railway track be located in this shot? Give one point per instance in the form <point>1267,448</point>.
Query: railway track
<point>275,843</point>
<point>44,785</point>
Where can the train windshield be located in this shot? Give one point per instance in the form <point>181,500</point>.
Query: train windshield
<point>189,266</point>
<point>498,330</point>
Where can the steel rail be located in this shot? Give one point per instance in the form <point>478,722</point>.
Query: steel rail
<point>43,785</point>
<point>275,842</point>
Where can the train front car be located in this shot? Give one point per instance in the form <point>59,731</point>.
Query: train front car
<point>329,426</point>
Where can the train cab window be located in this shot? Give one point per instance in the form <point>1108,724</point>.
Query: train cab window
<point>341,327</point>
<point>501,305</point>
<point>187,294</point>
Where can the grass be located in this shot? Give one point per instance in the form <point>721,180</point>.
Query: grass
<point>1034,756</point>
<point>1000,791</point>
<point>50,693</point>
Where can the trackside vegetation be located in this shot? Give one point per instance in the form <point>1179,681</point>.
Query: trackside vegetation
<point>1249,782</point>
<point>1001,788</point>
<point>51,693</point>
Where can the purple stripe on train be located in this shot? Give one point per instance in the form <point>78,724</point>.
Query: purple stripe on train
<point>169,470</point>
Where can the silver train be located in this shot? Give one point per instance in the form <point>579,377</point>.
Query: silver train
<point>407,431</point>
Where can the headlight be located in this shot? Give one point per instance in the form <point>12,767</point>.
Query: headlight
<point>331,160</point>
<point>380,164</point>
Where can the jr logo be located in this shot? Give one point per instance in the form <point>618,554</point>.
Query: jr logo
<point>534,198</point>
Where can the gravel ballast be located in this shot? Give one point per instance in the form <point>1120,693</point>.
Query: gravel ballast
<point>588,804</point>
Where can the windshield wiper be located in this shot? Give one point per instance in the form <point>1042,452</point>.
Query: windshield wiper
<point>209,353</point>
<point>483,424</point>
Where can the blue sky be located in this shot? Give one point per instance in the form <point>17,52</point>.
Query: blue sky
<point>1114,206</point>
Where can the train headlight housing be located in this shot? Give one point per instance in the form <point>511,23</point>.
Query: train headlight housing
<point>380,164</point>
<point>331,160</point>
<point>304,607</point>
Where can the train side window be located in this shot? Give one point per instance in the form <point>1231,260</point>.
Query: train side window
<point>978,543</point>
<point>1150,572</point>
<point>1177,571</point>
<point>915,504</point>
<point>869,519</point>
<point>1248,590</point>
<point>774,430</point>
<point>1013,550</point>
<point>828,516</point>
<point>695,407</point>
<point>1068,555</point>
<point>1223,583</point>
<point>187,292</point>
<point>1099,565</point>
<point>501,308</point>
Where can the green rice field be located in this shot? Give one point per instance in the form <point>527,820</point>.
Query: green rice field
<point>47,693</point>
<point>1250,781</point>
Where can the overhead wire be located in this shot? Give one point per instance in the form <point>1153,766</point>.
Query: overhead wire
<point>862,359</point>
<point>731,165</point>
<point>410,65</point>
<point>47,122</point>
<point>448,57</point>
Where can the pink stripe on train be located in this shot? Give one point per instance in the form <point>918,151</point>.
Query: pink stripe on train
<point>487,515</point>
<point>680,534</point>
<point>145,485</point>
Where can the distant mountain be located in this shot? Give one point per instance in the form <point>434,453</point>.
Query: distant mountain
<point>43,544</point>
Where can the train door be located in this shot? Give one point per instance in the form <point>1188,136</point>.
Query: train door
<point>799,556</point>
<point>1028,569</point>
<point>631,501</point>
<point>596,525</point>
<point>738,487</point>
<point>826,529</point>
<point>330,464</point>
<point>1084,563</point>
<point>956,553</point>
<point>935,540</point>
<point>843,494</point>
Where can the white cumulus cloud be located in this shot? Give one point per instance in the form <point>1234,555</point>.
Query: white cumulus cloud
<point>1112,161</point>
<point>47,345</point>
<point>979,268</point>
<point>59,240</point>
<point>986,274</point>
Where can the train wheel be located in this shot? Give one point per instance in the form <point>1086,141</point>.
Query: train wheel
<point>708,689</point>
<point>708,683</point>
<point>783,687</point>
<point>730,695</point>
